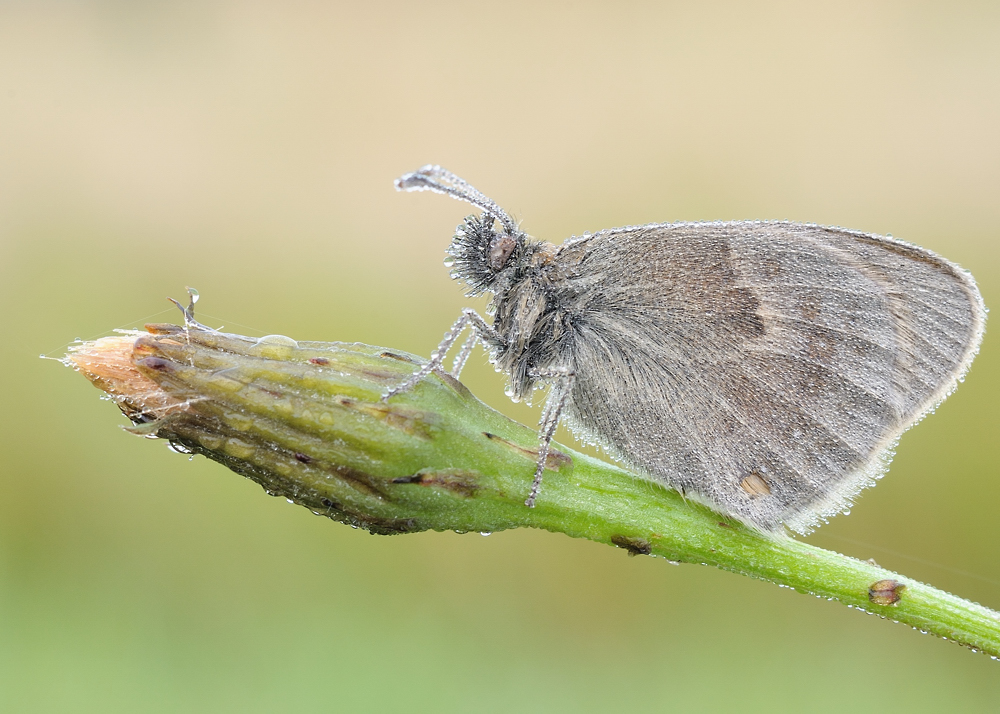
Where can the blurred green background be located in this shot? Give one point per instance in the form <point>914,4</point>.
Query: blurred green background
<point>249,150</point>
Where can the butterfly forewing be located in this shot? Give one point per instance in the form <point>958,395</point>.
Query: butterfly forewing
<point>766,368</point>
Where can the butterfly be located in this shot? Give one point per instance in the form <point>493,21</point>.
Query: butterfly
<point>766,369</point>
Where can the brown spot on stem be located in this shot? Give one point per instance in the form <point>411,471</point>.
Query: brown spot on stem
<point>886,592</point>
<point>634,546</point>
<point>461,482</point>
<point>321,361</point>
<point>304,458</point>
<point>361,480</point>
<point>555,459</point>
<point>401,358</point>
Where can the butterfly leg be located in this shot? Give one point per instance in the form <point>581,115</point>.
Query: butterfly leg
<point>481,330</point>
<point>463,354</point>
<point>561,389</point>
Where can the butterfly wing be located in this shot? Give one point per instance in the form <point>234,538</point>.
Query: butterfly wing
<point>765,368</point>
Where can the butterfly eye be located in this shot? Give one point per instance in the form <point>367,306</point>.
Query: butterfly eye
<point>500,249</point>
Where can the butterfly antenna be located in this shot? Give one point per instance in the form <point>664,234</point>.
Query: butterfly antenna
<point>437,179</point>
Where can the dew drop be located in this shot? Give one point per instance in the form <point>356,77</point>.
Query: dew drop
<point>277,340</point>
<point>485,533</point>
<point>274,347</point>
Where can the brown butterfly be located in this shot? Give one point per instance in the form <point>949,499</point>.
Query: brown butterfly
<point>764,368</point>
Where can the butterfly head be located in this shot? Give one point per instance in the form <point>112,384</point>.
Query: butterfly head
<point>484,253</point>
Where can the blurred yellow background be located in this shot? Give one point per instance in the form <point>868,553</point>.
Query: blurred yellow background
<point>249,150</point>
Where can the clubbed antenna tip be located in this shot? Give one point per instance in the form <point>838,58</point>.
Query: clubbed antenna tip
<point>434,178</point>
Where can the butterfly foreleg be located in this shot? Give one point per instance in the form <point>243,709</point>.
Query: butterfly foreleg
<point>481,331</point>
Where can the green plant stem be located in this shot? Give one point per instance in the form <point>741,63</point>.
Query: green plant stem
<point>305,420</point>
